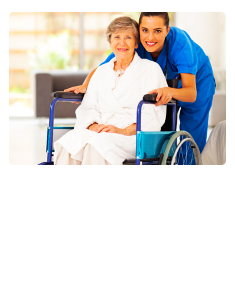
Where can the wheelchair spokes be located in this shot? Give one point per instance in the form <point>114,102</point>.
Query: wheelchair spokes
<point>185,155</point>
<point>183,149</point>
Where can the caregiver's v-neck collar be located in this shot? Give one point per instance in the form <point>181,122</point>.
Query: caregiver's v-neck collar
<point>161,59</point>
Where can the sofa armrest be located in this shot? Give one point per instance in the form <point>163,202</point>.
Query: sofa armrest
<point>62,79</point>
<point>41,86</point>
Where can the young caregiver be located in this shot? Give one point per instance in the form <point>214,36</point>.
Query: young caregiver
<point>176,53</point>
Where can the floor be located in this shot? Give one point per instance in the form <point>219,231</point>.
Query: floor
<point>27,139</point>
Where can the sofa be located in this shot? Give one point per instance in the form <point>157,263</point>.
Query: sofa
<point>218,109</point>
<point>43,84</point>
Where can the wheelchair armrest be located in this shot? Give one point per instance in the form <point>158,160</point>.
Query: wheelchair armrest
<point>68,95</point>
<point>152,98</point>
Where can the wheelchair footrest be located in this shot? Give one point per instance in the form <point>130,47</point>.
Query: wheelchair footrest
<point>46,163</point>
<point>150,159</point>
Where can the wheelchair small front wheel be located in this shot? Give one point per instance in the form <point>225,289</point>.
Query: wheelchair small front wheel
<point>182,150</point>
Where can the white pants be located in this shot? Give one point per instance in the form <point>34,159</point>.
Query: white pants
<point>90,157</point>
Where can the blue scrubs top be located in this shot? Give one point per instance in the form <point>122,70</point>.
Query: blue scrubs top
<point>185,56</point>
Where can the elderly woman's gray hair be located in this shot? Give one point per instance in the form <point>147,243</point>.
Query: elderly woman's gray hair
<point>123,23</point>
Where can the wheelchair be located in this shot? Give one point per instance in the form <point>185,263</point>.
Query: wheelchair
<point>167,147</point>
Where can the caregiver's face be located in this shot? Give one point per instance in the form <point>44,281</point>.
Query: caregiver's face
<point>153,33</point>
<point>123,44</point>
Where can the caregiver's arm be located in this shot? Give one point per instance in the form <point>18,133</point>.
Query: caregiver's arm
<point>83,87</point>
<point>128,131</point>
<point>188,92</point>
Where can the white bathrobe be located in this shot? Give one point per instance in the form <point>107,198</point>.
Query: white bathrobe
<point>111,104</point>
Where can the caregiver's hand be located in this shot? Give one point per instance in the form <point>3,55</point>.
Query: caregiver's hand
<point>164,96</point>
<point>110,129</point>
<point>78,89</point>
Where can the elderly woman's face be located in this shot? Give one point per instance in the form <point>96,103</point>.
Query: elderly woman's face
<point>123,44</point>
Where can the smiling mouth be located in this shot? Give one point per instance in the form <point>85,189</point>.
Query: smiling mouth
<point>150,43</point>
<point>122,49</point>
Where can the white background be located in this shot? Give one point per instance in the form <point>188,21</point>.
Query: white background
<point>117,228</point>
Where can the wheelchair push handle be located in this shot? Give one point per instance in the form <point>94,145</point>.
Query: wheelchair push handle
<point>172,83</point>
<point>152,98</point>
<point>68,95</point>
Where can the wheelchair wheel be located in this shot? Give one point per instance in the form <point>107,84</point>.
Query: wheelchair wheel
<point>182,150</point>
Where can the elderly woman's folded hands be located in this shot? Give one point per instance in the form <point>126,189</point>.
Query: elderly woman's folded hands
<point>106,128</point>
<point>128,131</point>
<point>110,129</point>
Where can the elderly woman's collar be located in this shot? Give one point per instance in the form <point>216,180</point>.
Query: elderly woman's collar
<point>136,58</point>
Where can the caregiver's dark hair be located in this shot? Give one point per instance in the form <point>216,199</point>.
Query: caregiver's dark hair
<point>164,15</point>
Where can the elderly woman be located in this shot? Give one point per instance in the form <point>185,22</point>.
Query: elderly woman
<point>104,133</point>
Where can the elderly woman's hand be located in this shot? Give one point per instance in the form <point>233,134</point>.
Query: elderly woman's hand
<point>93,127</point>
<point>110,129</point>
<point>164,95</point>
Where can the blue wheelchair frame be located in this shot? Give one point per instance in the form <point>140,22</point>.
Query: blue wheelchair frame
<point>145,155</point>
<point>51,125</point>
<point>149,146</point>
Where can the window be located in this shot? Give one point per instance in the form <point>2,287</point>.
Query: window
<point>53,40</point>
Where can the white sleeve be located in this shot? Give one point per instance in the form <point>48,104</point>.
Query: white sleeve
<point>154,117</point>
<point>158,77</point>
<point>88,112</point>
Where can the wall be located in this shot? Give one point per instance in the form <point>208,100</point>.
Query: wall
<point>27,30</point>
<point>208,29</point>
